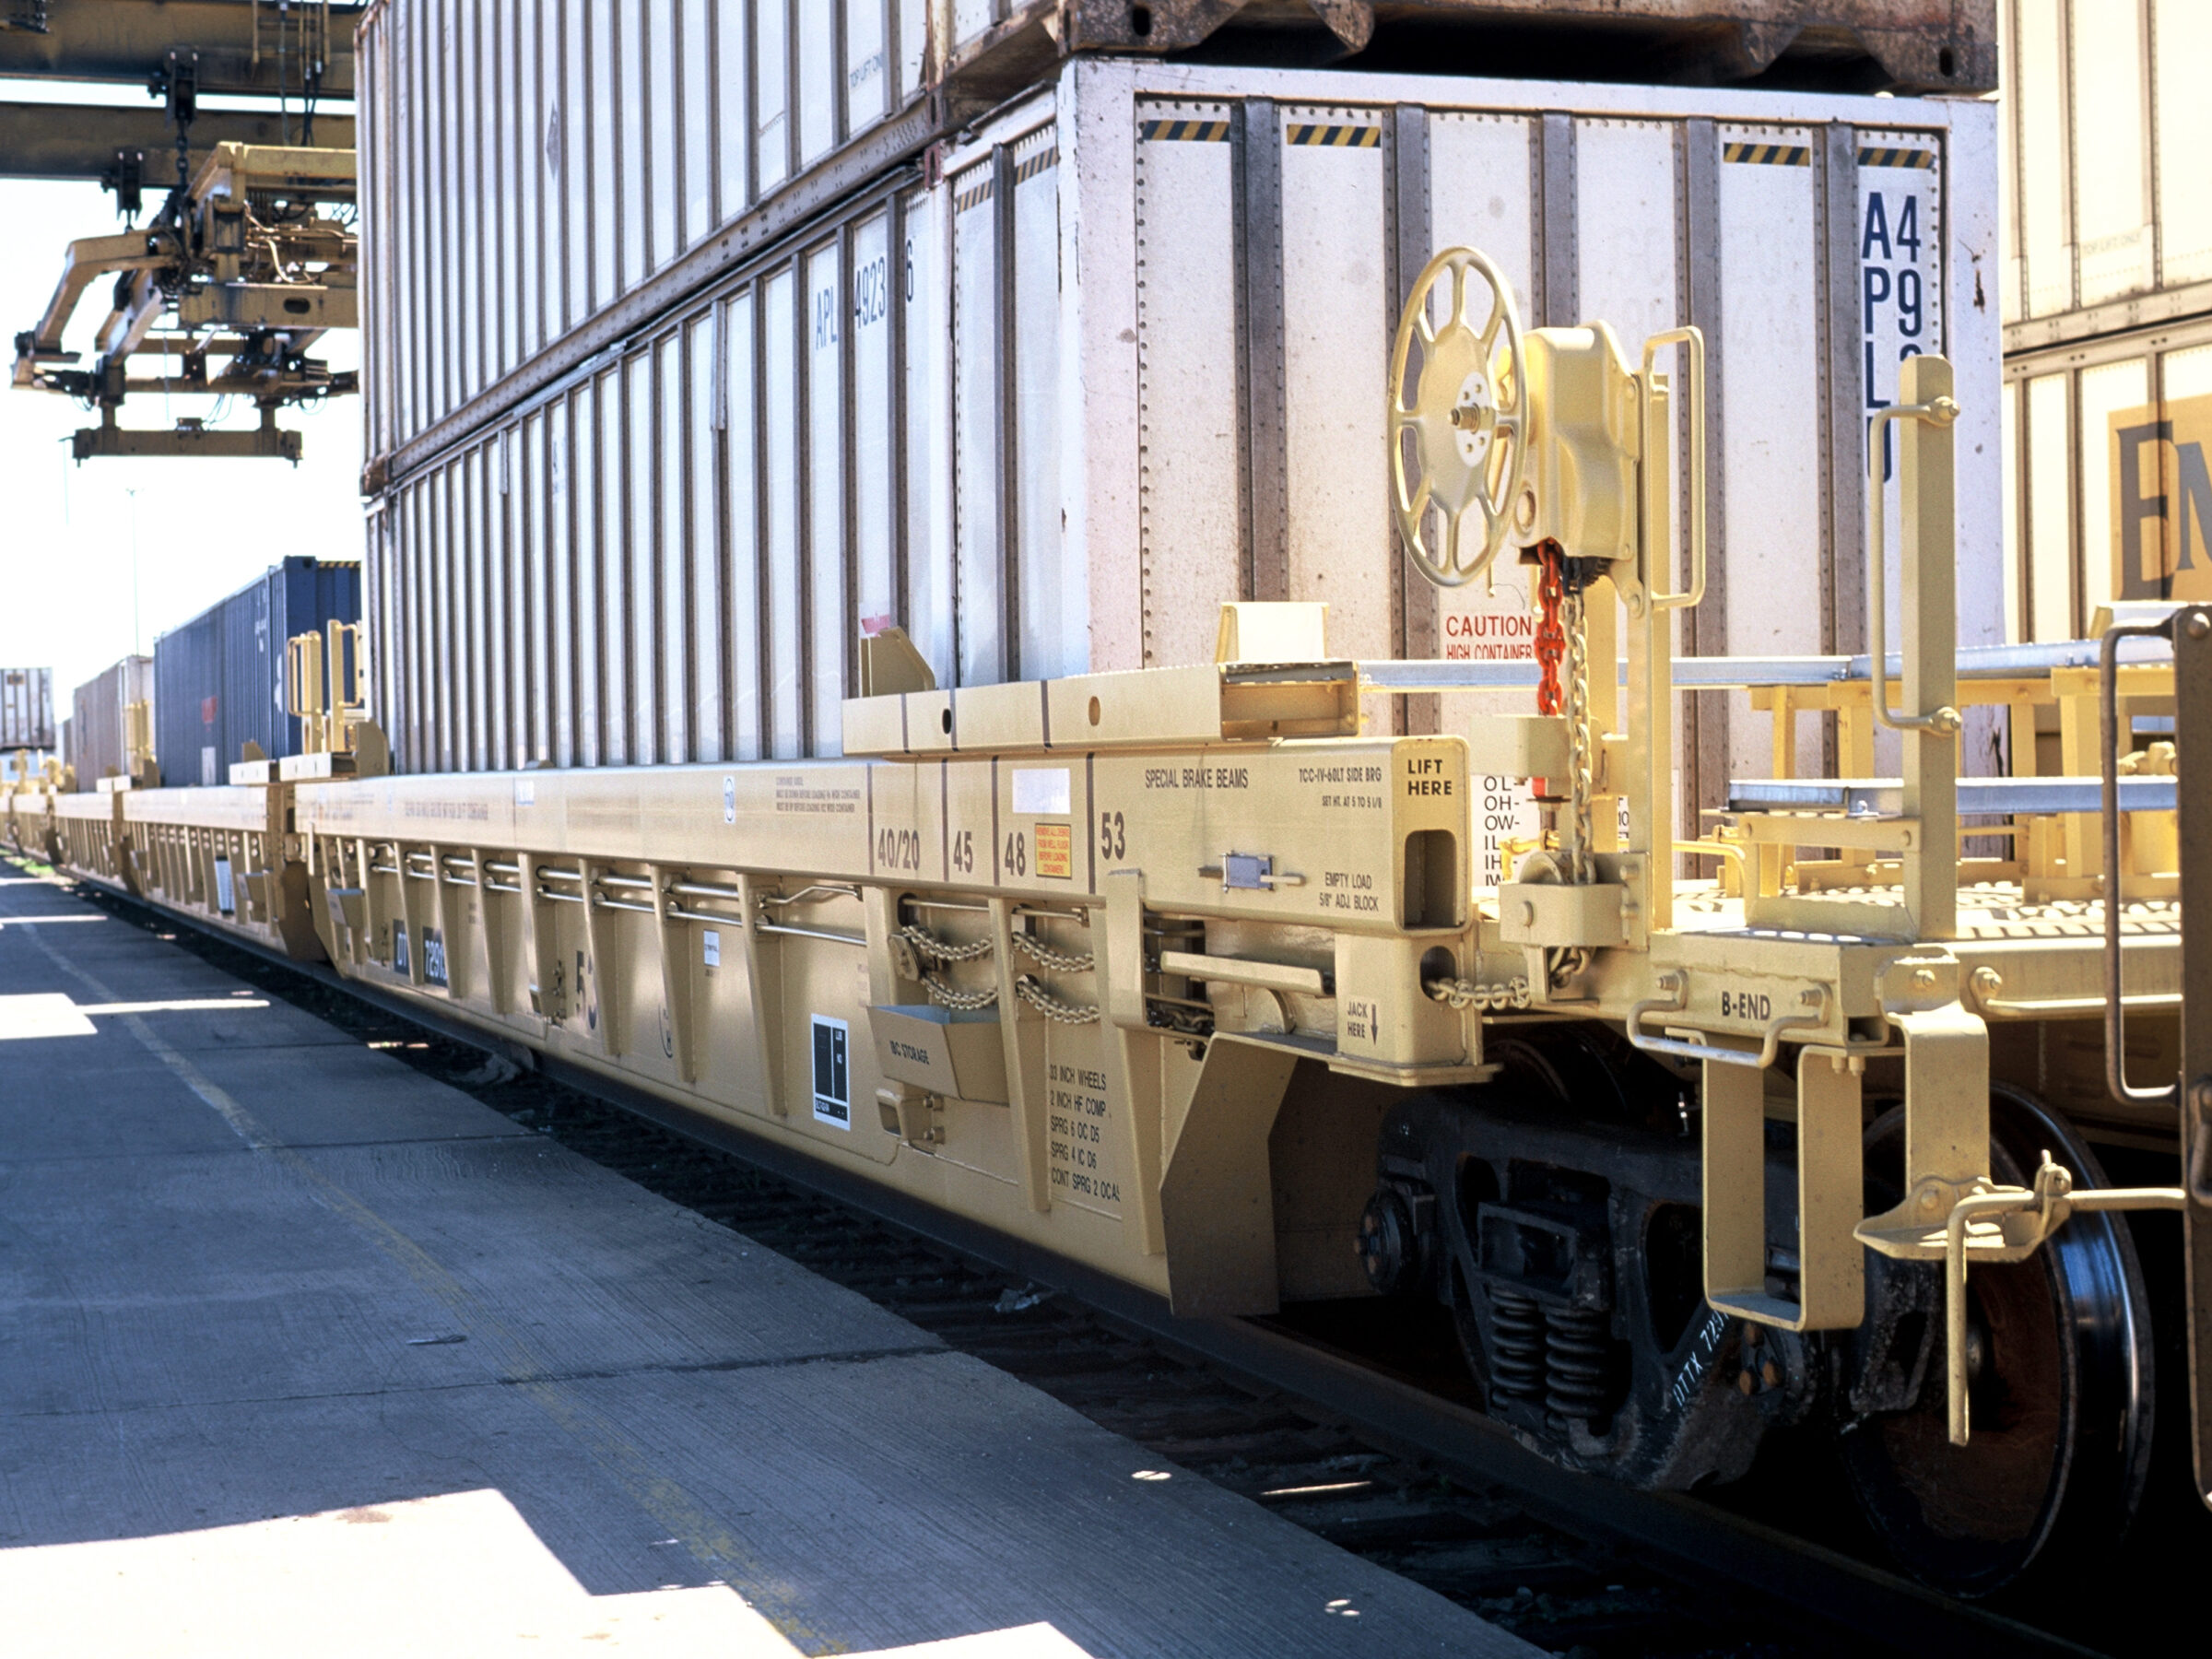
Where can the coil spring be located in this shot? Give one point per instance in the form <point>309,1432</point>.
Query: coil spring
<point>1575,1345</point>
<point>1517,1346</point>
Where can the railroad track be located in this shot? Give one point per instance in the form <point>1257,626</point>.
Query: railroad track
<point>1370,1452</point>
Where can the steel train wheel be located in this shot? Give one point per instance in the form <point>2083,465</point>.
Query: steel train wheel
<point>2061,1385</point>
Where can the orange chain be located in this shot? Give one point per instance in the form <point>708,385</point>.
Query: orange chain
<point>1551,638</point>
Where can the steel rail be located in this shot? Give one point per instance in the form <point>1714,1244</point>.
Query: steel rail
<point>1746,673</point>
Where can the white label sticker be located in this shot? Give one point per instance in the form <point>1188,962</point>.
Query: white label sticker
<point>1508,814</point>
<point>710,947</point>
<point>833,1073</point>
<point>729,800</point>
<point>226,894</point>
<point>525,791</point>
<point>1041,790</point>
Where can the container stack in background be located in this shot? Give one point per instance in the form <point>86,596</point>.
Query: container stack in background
<point>219,681</point>
<point>27,713</point>
<point>703,335</point>
<point>2107,298</point>
<point>101,720</point>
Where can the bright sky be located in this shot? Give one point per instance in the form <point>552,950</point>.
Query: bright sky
<point>201,528</point>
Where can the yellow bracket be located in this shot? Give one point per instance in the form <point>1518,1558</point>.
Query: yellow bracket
<point>1831,1268</point>
<point>2009,1225</point>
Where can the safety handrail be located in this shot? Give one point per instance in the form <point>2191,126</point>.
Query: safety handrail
<point>1987,987</point>
<point>1769,1047</point>
<point>1941,411</point>
<point>303,669</point>
<point>2108,725</point>
<point>1655,486</point>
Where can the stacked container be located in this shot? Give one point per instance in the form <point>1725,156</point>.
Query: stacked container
<point>644,472</point>
<point>219,680</point>
<point>100,722</point>
<point>26,709</point>
<point>2107,297</point>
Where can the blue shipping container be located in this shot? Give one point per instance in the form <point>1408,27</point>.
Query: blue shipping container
<point>219,680</point>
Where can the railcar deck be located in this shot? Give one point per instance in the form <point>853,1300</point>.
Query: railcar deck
<point>1988,911</point>
<point>307,1349</point>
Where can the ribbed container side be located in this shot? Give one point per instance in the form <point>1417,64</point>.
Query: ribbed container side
<point>219,680</point>
<point>26,709</point>
<point>537,181</point>
<point>2107,299</point>
<point>526,169</point>
<point>1123,357</point>
<point>2108,490</point>
<point>98,725</point>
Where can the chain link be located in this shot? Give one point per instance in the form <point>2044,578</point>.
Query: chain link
<point>952,997</point>
<point>1051,1006</point>
<point>934,950</point>
<point>1045,956</point>
<point>1566,964</point>
<point>1462,994</point>
<point>1550,642</point>
<point>1578,730</point>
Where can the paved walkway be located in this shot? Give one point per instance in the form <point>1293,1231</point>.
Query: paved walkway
<point>301,1351</point>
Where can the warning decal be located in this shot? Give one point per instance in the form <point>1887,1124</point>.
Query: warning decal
<point>1056,850</point>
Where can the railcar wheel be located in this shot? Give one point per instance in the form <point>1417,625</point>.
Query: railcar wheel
<point>2060,1365</point>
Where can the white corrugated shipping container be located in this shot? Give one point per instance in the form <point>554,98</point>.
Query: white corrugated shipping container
<point>100,726</point>
<point>529,168</point>
<point>1123,356</point>
<point>535,178</point>
<point>26,709</point>
<point>2107,299</point>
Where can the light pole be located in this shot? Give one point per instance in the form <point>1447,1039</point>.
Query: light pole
<point>136,634</point>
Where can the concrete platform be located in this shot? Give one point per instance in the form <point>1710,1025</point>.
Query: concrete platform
<point>302,1351</point>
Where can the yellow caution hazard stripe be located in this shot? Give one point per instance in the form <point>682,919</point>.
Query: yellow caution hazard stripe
<point>1799,155</point>
<point>1768,155</point>
<point>1333,137</point>
<point>1184,132</point>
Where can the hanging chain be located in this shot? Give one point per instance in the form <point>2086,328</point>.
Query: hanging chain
<point>916,952</point>
<point>952,997</point>
<point>1578,730</point>
<point>1051,1006</point>
<point>929,950</point>
<point>933,950</point>
<point>1551,638</point>
<point>1044,956</point>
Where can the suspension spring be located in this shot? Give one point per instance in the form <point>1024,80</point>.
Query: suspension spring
<point>1517,1348</point>
<point>1575,1345</point>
